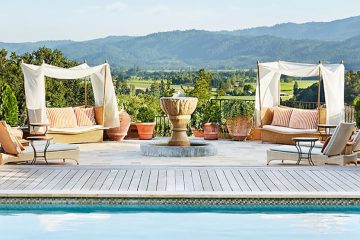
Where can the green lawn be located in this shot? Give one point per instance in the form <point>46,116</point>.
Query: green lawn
<point>286,88</point>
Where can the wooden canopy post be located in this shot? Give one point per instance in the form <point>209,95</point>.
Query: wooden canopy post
<point>258,85</point>
<point>85,90</point>
<point>319,88</point>
<point>105,77</point>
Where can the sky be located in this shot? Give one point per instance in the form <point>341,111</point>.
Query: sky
<point>34,20</point>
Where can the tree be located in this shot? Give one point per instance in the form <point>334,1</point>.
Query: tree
<point>296,88</point>
<point>352,86</point>
<point>202,89</point>
<point>8,105</point>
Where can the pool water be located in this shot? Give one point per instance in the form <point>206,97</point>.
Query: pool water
<point>58,222</point>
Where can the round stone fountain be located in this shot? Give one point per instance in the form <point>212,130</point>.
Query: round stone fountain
<point>179,110</point>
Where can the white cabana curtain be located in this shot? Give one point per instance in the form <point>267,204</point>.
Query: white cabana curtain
<point>268,94</point>
<point>100,75</point>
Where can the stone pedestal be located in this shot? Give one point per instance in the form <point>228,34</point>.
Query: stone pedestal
<point>179,110</point>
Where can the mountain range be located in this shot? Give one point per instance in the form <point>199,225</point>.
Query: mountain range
<point>308,42</point>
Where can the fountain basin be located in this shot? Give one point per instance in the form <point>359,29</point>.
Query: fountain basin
<point>162,149</point>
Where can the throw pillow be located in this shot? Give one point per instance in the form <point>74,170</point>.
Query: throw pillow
<point>282,116</point>
<point>304,119</point>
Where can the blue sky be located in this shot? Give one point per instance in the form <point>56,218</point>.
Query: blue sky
<point>25,20</point>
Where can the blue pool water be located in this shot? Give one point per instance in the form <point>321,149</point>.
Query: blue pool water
<point>174,222</point>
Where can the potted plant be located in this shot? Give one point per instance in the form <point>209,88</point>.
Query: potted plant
<point>119,133</point>
<point>239,118</point>
<point>146,123</point>
<point>212,118</point>
<point>197,123</point>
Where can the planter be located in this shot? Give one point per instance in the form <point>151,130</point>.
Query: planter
<point>132,132</point>
<point>145,130</point>
<point>239,127</point>
<point>119,133</point>
<point>197,133</point>
<point>211,131</point>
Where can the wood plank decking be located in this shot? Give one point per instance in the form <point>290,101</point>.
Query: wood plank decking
<point>219,182</point>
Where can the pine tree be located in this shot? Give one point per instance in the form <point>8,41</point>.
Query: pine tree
<point>8,105</point>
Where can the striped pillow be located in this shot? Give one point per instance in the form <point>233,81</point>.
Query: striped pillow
<point>85,116</point>
<point>281,116</point>
<point>304,119</point>
<point>61,117</point>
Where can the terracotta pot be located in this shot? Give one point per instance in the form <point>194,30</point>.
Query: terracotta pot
<point>132,132</point>
<point>239,127</point>
<point>211,131</point>
<point>197,133</point>
<point>145,130</point>
<point>119,133</point>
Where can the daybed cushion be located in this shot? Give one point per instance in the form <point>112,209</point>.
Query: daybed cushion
<point>75,130</point>
<point>62,117</point>
<point>85,116</point>
<point>287,130</point>
<point>9,143</point>
<point>304,119</point>
<point>281,116</point>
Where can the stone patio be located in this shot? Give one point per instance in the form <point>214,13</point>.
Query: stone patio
<point>127,152</point>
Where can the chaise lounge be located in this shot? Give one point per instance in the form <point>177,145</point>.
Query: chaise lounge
<point>332,153</point>
<point>12,151</point>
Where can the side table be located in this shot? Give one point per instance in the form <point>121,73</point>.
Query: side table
<point>305,155</point>
<point>37,154</point>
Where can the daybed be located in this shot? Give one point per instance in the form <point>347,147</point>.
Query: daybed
<point>331,154</point>
<point>281,131</point>
<point>13,151</point>
<point>75,125</point>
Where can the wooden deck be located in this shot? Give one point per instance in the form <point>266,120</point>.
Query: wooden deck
<point>219,182</point>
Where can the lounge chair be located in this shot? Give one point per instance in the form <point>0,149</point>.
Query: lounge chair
<point>13,151</point>
<point>332,154</point>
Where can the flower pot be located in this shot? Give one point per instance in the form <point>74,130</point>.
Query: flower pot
<point>239,127</point>
<point>197,133</point>
<point>211,131</point>
<point>119,133</point>
<point>132,132</point>
<point>145,130</point>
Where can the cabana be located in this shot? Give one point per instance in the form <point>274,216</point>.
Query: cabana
<point>268,97</point>
<point>104,94</point>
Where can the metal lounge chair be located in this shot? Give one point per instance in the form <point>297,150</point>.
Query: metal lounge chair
<point>332,154</point>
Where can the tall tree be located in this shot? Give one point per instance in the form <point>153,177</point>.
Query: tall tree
<point>202,89</point>
<point>8,105</point>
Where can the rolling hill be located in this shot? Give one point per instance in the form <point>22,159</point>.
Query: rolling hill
<point>217,50</point>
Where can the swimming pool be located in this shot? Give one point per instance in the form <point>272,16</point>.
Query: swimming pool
<point>176,222</point>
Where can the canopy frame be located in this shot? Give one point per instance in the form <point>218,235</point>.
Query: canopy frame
<point>100,76</point>
<point>273,70</point>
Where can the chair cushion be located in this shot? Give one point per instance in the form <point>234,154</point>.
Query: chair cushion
<point>356,142</point>
<point>339,139</point>
<point>293,149</point>
<point>62,117</point>
<point>85,116</point>
<point>8,141</point>
<point>325,144</point>
<point>281,116</point>
<point>304,119</point>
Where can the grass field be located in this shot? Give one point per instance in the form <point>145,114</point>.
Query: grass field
<point>286,88</point>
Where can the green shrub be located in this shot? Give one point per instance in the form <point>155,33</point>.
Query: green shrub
<point>235,108</point>
<point>212,112</point>
<point>357,111</point>
<point>197,119</point>
<point>8,105</point>
<point>146,114</point>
